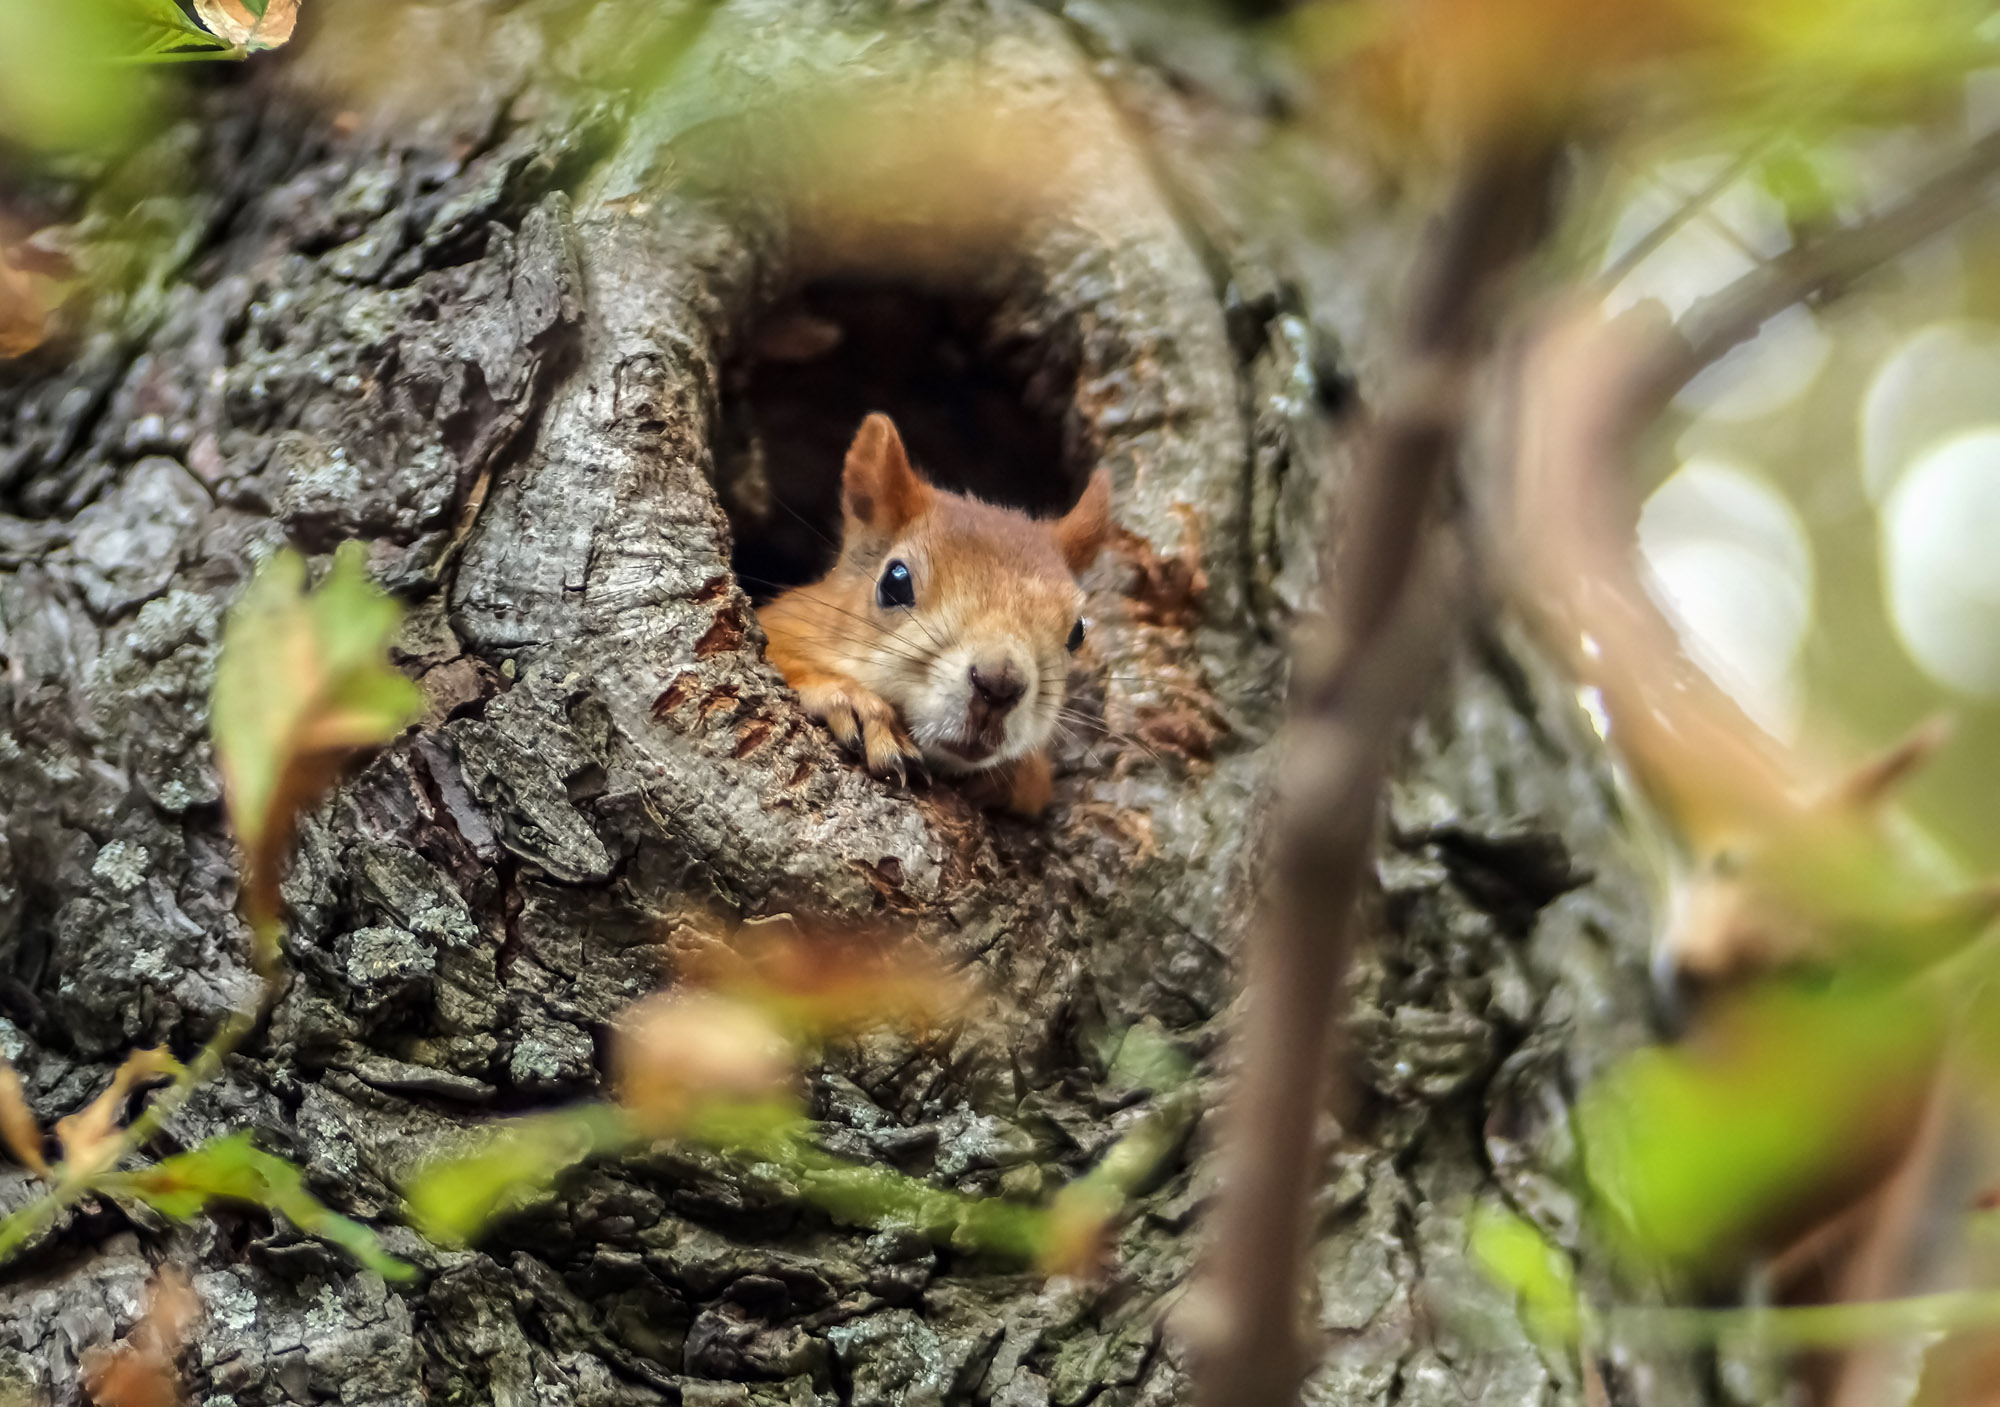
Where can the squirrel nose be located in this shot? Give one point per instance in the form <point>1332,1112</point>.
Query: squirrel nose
<point>1001,685</point>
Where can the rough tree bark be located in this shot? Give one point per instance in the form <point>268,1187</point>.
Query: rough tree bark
<point>495,335</point>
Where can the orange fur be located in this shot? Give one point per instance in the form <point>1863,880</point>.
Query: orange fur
<point>967,678</point>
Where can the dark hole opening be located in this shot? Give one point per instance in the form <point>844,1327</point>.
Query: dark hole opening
<point>979,406</point>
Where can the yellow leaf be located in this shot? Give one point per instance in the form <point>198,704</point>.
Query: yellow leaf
<point>304,680</point>
<point>674,1051</point>
<point>823,980</point>
<point>28,300</point>
<point>19,1129</point>
<point>1078,1239</point>
<point>87,1135</point>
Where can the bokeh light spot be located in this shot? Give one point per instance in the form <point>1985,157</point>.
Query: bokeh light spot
<point>1941,562</point>
<point>1730,561</point>
<point>1939,381</point>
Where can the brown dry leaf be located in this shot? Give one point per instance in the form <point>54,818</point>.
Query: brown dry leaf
<point>1962,1370</point>
<point>27,301</point>
<point>925,170</point>
<point>826,981</point>
<point>87,1136</point>
<point>1870,785</point>
<point>19,1129</point>
<point>231,20</point>
<point>140,1371</point>
<point>1722,928</point>
<point>1463,70</point>
<point>676,1050</point>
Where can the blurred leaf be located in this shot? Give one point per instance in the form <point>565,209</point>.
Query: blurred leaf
<point>140,1371</point>
<point>1146,1059</point>
<point>1077,1238</point>
<point>899,159</point>
<point>1793,176</point>
<point>1879,48</point>
<point>1459,71</point>
<point>675,1051</point>
<point>1789,1104</point>
<point>1842,880</point>
<point>234,1169</point>
<point>303,681</point>
<point>1466,70</point>
<point>19,1129</point>
<point>452,1199</point>
<point>776,1136</point>
<point>88,1137</point>
<point>250,24</point>
<point>58,88</point>
<point>1961,1371</point>
<point>1516,1255</point>
<point>824,980</point>
<point>162,27</point>
<point>27,302</point>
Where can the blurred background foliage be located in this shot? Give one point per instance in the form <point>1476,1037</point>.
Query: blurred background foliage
<point>1820,507</point>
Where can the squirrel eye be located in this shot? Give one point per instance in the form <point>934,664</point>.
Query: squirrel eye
<point>1075,637</point>
<point>895,588</point>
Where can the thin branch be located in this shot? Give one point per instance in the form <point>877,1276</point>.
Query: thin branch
<point>1698,203</point>
<point>1880,1260</point>
<point>1725,320</point>
<point>1352,700</point>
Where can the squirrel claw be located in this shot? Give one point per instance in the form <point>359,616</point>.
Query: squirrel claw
<point>889,751</point>
<point>864,723</point>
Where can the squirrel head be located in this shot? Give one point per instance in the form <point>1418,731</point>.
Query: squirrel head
<point>960,613</point>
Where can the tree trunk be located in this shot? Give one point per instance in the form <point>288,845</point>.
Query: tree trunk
<point>492,318</point>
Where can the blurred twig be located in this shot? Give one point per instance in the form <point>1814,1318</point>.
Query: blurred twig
<point>1721,322</point>
<point>1878,1263</point>
<point>1700,202</point>
<point>1352,697</point>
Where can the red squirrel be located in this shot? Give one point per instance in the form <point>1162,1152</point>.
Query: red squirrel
<point>942,635</point>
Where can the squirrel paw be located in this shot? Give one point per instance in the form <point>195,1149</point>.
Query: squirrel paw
<point>865,723</point>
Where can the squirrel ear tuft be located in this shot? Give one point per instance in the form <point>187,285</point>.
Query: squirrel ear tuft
<point>879,490</point>
<point>1081,531</point>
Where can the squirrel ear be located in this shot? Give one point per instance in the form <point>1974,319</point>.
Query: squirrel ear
<point>879,490</point>
<point>1081,531</point>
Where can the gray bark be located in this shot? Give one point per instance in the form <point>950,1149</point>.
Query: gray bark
<point>496,341</point>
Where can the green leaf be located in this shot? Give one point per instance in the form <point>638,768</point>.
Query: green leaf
<point>164,19</point>
<point>303,681</point>
<point>1702,1150</point>
<point>1517,1256</point>
<point>57,92</point>
<point>234,1169</point>
<point>857,1194</point>
<point>1147,1060</point>
<point>452,1199</point>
